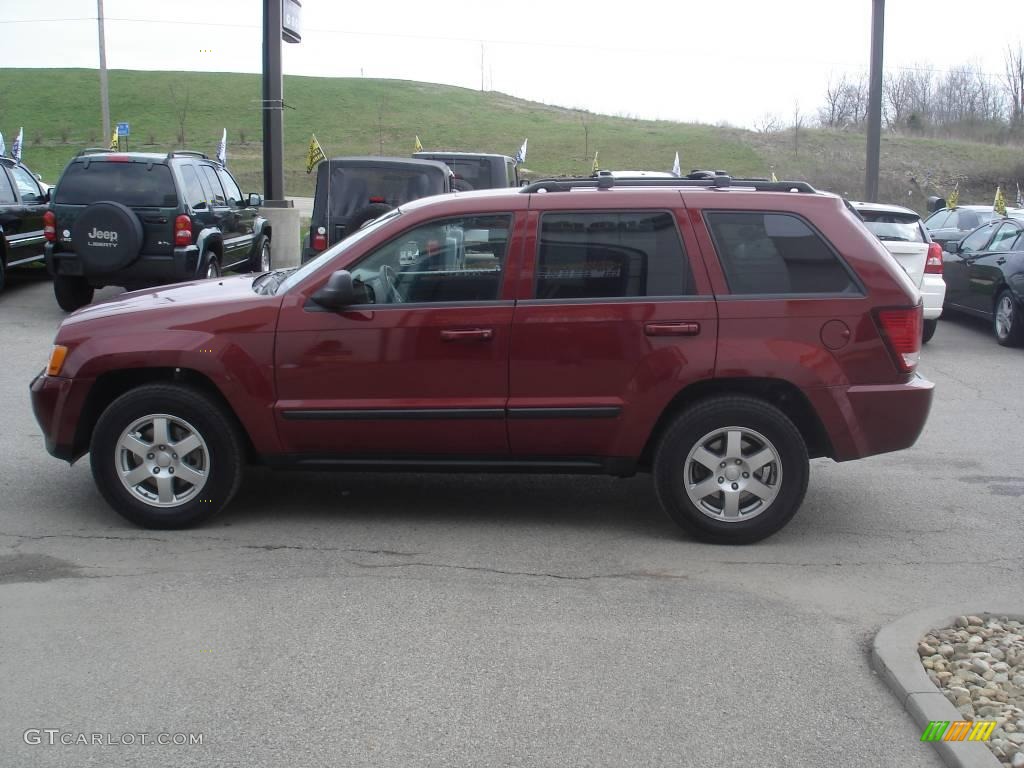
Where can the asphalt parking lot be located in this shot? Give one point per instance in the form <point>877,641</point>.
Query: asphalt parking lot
<point>408,620</point>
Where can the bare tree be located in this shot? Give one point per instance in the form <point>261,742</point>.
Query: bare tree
<point>381,106</point>
<point>180,98</point>
<point>897,90</point>
<point>585,122</point>
<point>798,123</point>
<point>832,114</point>
<point>1015,83</point>
<point>769,123</point>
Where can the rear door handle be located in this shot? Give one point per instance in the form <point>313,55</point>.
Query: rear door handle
<point>471,334</point>
<point>1001,260</point>
<point>672,329</point>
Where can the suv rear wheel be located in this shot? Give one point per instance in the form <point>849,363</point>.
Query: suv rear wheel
<point>261,256</point>
<point>166,456</point>
<point>72,292</point>
<point>731,469</point>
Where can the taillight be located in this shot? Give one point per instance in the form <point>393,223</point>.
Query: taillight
<point>183,230</point>
<point>376,199</point>
<point>933,266</point>
<point>901,329</point>
<point>50,226</point>
<point>320,239</point>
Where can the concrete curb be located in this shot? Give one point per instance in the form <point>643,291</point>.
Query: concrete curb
<point>894,657</point>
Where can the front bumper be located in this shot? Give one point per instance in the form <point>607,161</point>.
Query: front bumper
<point>148,269</point>
<point>57,404</point>
<point>867,420</point>
<point>933,293</point>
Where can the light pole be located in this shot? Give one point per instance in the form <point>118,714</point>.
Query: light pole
<point>104,96</point>
<point>875,101</point>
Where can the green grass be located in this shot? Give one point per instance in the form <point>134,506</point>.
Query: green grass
<point>366,116</point>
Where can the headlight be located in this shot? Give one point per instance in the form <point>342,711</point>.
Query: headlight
<point>56,360</point>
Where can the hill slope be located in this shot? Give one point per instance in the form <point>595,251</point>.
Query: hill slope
<point>59,110</point>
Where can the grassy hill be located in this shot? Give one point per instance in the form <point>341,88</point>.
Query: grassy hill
<point>59,110</point>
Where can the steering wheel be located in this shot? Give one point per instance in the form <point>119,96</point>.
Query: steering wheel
<point>387,277</point>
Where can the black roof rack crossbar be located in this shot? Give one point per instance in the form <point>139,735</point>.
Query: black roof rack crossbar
<point>718,181</point>
<point>94,151</point>
<point>186,152</point>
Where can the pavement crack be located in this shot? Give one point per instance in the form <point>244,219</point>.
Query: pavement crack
<point>535,574</point>
<point>26,537</point>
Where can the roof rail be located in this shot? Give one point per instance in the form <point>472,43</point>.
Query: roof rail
<point>187,153</point>
<point>700,179</point>
<point>8,160</point>
<point>94,151</point>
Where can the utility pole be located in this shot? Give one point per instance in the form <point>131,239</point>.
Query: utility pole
<point>273,103</point>
<point>875,101</point>
<point>481,67</point>
<point>104,95</point>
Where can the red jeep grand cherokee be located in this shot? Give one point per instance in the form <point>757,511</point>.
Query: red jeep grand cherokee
<point>715,332</point>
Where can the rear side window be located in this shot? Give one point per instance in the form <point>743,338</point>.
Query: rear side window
<point>193,189</point>
<point>611,255</point>
<point>1003,241</point>
<point>937,220</point>
<point>894,226</point>
<point>139,185</point>
<point>214,184</point>
<point>776,253</point>
<point>6,190</point>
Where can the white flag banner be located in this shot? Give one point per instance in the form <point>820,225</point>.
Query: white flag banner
<point>222,149</point>
<point>16,146</point>
<point>3,147</point>
<point>521,154</point>
<point>675,167</point>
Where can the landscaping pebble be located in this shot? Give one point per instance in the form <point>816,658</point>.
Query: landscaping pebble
<point>978,664</point>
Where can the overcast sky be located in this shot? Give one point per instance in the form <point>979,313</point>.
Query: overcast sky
<point>731,60</point>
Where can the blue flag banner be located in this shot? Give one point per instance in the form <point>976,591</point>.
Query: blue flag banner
<point>16,146</point>
<point>521,154</point>
<point>222,149</point>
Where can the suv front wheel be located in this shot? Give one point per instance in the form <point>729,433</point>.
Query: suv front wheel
<point>731,469</point>
<point>166,456</point>
<point>72,292</point>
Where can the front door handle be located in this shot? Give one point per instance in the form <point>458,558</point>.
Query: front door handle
<point>471,334</point>
<point>672,329</point>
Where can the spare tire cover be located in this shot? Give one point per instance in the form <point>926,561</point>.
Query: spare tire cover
<point>107,236</point>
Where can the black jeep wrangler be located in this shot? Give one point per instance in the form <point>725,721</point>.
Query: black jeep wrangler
<point>141,219</point>
<point>477,170</point>
<point>22,207</point>
<point>351,191</point>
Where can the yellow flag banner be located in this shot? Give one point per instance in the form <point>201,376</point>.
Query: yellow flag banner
<point>773,176</point>
<point>954,197</point>
<point>113,140</point>
<point>999,206</point>
<point>418,146</point>
<point>315,154</point>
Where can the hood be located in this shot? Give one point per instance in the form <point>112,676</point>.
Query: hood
<point>214,305</point>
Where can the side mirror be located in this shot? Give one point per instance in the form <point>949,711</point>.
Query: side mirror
<point>953,246</point>
<point>255,201</point>
<point>338,293</point>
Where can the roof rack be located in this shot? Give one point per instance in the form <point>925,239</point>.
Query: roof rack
<point>95,151</point>
<point>705,179</point>
<point>8,160</point>
<point>187,153</point>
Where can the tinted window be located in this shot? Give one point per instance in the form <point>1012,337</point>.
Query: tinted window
<point>610,255</point>
<point>476,173</point>
<point>213,184</point>
<point>194,193</point>
<point>27,186</point>
<point>894,226</point>
<point>953,222</point>
<point>977,239</point>
<point>1005,237</point>
<point>6,190</point>
<point>230,187</point>
<point>133,184</point>
<point>776,253</point>
<point>352,188</point>
<point>937,220</point>
<point>458,259</point>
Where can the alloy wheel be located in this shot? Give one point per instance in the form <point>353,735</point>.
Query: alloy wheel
<point>162,460</point>
<point>733,474</point>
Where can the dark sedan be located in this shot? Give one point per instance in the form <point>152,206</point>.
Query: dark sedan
<point>948,225</point>
<point>984,276</point>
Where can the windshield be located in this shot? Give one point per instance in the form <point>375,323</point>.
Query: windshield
<point>891,226</point>
<point>298,275</point>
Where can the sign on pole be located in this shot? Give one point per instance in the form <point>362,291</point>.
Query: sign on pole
<point>123,130</point>
<point>291,21</point>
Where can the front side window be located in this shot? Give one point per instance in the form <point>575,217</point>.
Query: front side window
<point>231,189</point>
<point>458,259</point>
<point>977,239</point>
<point>27,186</point>
<point>194,191</point>
<point>1005,237</point>
<point>611,254</point>
<point>776,253</point>
<point>214,184</point>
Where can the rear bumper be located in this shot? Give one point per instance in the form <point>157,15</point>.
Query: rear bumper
<point>148,269</point>
<point>867,420</point>
<point>57,404</point>
<point>933,293</point>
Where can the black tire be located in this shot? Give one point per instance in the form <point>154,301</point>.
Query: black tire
<point>928,330</point>
<point>366,214</point>
<point>3,273</point>
<point>222,456</point>
<point>752,415</point>
<point>1012,334</point>
<point>212,269</point>
<point>256,259</point>
<point>72,292</point>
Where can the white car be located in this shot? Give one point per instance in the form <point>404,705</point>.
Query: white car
<point>904,236</point>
